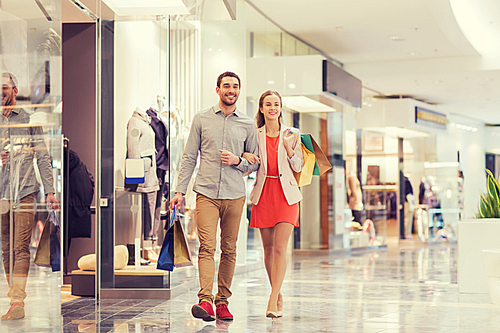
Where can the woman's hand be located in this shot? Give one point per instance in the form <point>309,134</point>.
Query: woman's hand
<point>289,142</point>
<point>251,158</point>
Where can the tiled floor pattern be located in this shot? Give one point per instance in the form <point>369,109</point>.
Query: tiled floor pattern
<point>411,289</point>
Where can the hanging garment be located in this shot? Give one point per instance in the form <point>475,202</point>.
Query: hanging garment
<point>81,192</point>
<point>161,142</point>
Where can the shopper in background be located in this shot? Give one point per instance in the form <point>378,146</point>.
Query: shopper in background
<point>18,190</point>
<point>275,195</point>
<point>220,135</point>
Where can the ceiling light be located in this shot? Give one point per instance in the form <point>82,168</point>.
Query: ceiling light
<point>438,81</point>
<point>305,104</point>
<point>474,129</point>
<point>270,82</point>
<point>292,86</point>
<point>147,7</point>
<point>413,53</point>
<point>434,165</point>
<point>399,132</point>
<point>396,38</point>
<point>469,128</point>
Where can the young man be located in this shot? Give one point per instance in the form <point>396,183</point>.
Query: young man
<point>18,189</point>
<point>220,134</point>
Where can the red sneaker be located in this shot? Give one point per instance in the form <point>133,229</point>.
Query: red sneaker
<point>223,312</point>
<point>203,310</point>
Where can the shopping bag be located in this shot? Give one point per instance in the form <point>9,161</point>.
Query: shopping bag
<point>134,171</point>
<point>182,255</point>
<point>42,255</point>
<point>322,163</point>
<point>315,161</point>
<point>304,177</point>
<point>55,242</point>
<point>166,257</point>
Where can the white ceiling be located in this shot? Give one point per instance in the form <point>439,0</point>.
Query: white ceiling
<point>434,61</point>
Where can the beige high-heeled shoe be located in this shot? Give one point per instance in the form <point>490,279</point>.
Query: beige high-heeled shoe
<point>279,306</point>
<point>272,314</point>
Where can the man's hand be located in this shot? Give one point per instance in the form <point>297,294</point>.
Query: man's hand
<point>229,158</point>
<point>251,158</point>
<point>52,202</point>
<point>177,200</point>
<point>5,156</point>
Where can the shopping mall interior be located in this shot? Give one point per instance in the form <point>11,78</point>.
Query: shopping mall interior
<point>397,103</point>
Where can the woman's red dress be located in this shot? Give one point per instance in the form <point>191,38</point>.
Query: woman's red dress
<point>273,207</point>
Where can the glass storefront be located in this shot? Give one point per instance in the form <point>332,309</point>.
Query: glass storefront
<point>32,160</point>
<point>161,68</point>
<point>410,183</point>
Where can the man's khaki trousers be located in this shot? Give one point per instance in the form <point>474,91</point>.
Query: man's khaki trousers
<point>22,227</point>
<point>208,213</point>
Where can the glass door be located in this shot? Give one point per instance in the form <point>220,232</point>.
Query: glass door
<point>32,163</point>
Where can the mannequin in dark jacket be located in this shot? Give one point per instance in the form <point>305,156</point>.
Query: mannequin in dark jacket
<point>81,192</point>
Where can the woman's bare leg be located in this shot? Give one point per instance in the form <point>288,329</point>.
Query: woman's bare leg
<point>282,234</point>
<point>267,235</point>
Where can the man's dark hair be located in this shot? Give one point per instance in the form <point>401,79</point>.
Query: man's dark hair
<point>231,74</point>
<point>11,77</point>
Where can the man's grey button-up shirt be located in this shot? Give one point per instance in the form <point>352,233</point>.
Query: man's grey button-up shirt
<point>212,131</point>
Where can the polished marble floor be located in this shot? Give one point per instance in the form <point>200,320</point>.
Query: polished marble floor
<point>410,288</point>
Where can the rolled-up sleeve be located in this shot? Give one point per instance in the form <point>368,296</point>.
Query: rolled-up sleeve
<point>44,161</point>
<point>189,156</point>
<point>251,146</point>
<point>297,160</point>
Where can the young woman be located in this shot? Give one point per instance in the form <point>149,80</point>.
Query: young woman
<point>275,195</point>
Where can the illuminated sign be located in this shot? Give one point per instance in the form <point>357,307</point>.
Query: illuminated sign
<point>430,118</point>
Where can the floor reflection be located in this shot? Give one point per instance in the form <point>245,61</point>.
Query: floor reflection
<point>401,289</point>
<point>42,305</point>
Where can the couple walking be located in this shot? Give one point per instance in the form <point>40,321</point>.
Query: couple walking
<point>230,145</point>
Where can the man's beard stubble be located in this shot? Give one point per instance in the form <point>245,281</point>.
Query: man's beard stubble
<point>9,100</point>
<point>7,104</point>
<point>229,104</point>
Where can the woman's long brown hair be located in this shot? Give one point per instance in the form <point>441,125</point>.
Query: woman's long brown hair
<point>259,117</point>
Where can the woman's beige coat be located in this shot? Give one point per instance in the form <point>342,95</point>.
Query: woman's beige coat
<point>285,166</point>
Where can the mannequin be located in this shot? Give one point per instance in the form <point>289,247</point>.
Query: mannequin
<point>355,197</point>
<point>409,207</point>
<point>356,205</point>
<point>141,144</point>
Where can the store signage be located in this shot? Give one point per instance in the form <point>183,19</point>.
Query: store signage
<point>340,83</point>
<point>430,118</point>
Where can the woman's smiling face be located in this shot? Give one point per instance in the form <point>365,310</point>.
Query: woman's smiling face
<point>271,108</point>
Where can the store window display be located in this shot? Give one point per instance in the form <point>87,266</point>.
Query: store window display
<point>21,145</point>
<point>358,221</point>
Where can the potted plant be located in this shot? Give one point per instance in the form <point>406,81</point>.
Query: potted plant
<point>476,235</point>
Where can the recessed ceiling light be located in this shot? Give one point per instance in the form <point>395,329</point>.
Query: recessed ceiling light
<point>270,82</point>
<point>292,86</point>
<point>413,53</point>
<point>396,38</point>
